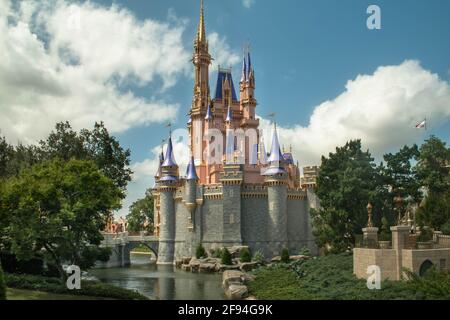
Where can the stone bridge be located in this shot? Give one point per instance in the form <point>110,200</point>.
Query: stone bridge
<point>122,244</point>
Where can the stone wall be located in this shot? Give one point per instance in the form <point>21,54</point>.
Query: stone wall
<point>413,259</point>
<point>384,258</point>
<point>233,214</point>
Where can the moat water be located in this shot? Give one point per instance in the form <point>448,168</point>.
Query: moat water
<point>162,282</point>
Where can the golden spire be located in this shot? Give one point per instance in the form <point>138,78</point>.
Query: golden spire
<point>201,33</point>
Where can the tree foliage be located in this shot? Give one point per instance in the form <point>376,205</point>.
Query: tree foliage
<point>59,207</point>
<point>64,143</point>
<point>347,181</point>
<point>141,216</point>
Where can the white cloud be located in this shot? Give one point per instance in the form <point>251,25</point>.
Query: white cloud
<point>75,61</point>
<point>382,109</point>
<point>248,3</point>
<point>220,50</point>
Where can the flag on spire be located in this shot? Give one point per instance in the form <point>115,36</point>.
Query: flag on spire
<point>422,124</point>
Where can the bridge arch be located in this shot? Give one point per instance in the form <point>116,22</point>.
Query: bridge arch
<point>153,246</point>
<point>424,267</point>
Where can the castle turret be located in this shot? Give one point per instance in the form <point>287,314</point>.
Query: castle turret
<point>247,95</point>
<point>191,191</point>
<point>167,185</point>
<point>276,181</point>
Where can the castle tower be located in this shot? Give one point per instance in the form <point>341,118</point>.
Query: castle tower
<point>247,95</point>
<point>167,184</point>
<point>276,181</point>
<point>191,191</point>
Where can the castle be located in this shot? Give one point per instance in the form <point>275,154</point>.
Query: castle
<point>249,197</point>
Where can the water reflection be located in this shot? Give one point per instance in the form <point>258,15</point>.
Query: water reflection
<point>162,282</point>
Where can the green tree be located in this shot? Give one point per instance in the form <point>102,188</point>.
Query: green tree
<point>140,217</point>
<point>347,181</point>
<point>96,145</point>
<point>59,207</point>
<point>431,166</point>
<point>400,177</point>
<point>434,211</point>
<point>434,176</point>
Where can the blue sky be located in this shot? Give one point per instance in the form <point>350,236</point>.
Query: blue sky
<point>304,52</point>
<point>326,75</point>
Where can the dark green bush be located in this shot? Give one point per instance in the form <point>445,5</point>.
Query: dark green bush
<point>285,257</point>
<point>200,252</point>
<point>245,255</point>
<point>426,234</point>
<point>2,285</point>
<point>325,278</point>
<point>435,285</point>
<point>446,228</point>
<point>216,253</point>
<point>11,264</point>
<point>226,257</point>
<point>54,285</point>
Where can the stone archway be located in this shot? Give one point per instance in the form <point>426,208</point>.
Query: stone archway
<point>153,246</point>
<point>424,267</point>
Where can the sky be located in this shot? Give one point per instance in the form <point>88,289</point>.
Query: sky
<point>326,75</point>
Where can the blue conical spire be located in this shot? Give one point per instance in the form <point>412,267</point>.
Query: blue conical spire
<point>244,70</point>
<point>229,115</point>
<point>169,159</point>
<point>209,115</point>
<point>191,172</point>
<point>275,152</point>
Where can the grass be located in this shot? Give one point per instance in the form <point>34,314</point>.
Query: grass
<point>21,294</point>
<point>324,278</point>
<point>142,249</point>
<point>54,285</point>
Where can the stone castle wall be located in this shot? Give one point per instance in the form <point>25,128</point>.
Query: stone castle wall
<point>239,215</point>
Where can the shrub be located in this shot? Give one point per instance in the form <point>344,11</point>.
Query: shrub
<point>200,252</point>
<point>216,253</point>
<point>446,228</point>
<point>435,285</point>
<point>245,255</point>
<point>226,257</point>
<point>2,285</point>
<point>258,257</point>
<point>305,251</point>
<point>11,264</point>
<point>324,278</point>
<point>285,258</point>
<point>426,234</point>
